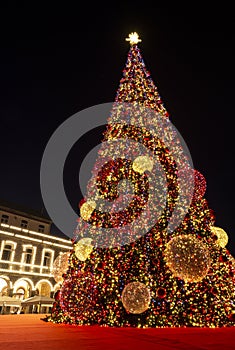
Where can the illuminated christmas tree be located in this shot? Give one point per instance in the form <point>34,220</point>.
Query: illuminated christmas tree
<point>152,256</point>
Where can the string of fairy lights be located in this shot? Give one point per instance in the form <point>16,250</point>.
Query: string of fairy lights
<point>185,278</point>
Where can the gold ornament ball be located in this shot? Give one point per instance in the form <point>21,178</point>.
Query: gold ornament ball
<point>83,248</point>
<point>136,297</point>
<point>222,237</point>
<point>142,163</point>
<point>87,208</point>
<point>60,266</point>
<point>188,258</point>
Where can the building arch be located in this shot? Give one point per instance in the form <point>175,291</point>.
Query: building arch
<point>44,281</point>
<point>25,285</point>
<point>44,287</point>
<point>5,285</point>
<point>7,279</point>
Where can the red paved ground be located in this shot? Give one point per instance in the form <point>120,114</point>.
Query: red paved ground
<point>29,332</point>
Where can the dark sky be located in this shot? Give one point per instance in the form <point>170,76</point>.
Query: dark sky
<point>57,60</point>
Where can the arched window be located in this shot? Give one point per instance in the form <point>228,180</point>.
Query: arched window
<point>23,287</point>
<point>7,252</point>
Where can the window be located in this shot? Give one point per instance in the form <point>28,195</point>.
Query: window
<point>4,219</point>
<point>41,228</point>
<point>47,259</point>
<point>7,251</point>
<point>24,223</point>
<point>28,255</point>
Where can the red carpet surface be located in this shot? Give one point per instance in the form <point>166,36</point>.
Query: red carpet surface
<point>29,332</point>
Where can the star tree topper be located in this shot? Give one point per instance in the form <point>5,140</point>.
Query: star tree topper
<point>133,38</point>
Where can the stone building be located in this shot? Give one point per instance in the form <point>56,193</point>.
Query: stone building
<point>27,253</point>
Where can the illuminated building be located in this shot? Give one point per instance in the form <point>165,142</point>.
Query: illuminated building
<point>27,253</point>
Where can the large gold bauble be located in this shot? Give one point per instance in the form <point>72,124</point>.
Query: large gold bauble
<point>83,248</point>
<point>142,163</point>
<point>222,237</point>
<point>136,297</point>
<point>188,258</point>
<point>87,208</point>
<point>60,266</point>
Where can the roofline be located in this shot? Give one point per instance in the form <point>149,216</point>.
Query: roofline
<point>25,214</point>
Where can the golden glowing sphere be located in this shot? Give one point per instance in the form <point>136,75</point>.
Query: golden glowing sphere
<point>60,266</point>
<point>136,297</point>
<point>188,258</point>
<point>83,248</point>
<point>222,237</point>
<point>142,163</point>
<point>87,208</point>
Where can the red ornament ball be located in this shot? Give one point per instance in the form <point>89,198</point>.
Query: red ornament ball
<point>232,316</point>
<point>57,295</point>
<point>161,292</point>
<point>159,242</point>
<point>214,290</point>
<point>100,266</point>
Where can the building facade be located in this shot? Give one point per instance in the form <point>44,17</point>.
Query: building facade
<point>27,253</point>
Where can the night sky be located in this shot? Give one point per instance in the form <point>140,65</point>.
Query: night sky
<point>56,61</point>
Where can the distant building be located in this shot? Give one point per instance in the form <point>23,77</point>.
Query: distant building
<point>27,253</point>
